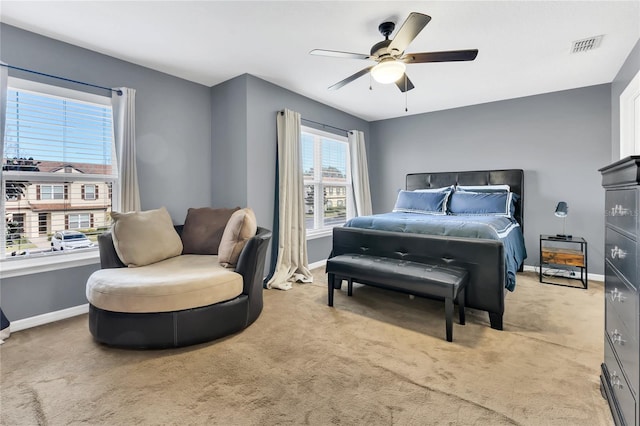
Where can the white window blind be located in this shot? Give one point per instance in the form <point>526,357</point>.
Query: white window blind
<point>58,166</point>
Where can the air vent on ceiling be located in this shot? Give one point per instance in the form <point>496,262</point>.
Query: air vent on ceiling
<point>586,44</point>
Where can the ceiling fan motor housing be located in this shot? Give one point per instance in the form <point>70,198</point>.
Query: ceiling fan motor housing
<point>379,50</point>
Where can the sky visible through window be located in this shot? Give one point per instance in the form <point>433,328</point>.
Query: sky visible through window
<point>334,154</point>
<point>49,128</point>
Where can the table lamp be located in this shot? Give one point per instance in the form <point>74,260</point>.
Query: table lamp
<point>562,210</point>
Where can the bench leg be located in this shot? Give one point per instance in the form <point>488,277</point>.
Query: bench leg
<point>496,320</point>
<point>461,302</point>
<point>448,311</point>
<point>330,287</point>
<point>350,287</point>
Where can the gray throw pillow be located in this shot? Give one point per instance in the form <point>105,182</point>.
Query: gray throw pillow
<point>203,229</point>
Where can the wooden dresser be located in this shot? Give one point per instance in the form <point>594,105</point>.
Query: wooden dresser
<point>620,380</point>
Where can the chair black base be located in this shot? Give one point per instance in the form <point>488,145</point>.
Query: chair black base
<point>169,329</point>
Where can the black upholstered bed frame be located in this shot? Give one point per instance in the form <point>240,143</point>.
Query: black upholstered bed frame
<point>512,177</point>
<point>484,259</point>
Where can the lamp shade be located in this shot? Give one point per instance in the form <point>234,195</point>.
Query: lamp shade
<point>562,210</point>
<point>388,71</point>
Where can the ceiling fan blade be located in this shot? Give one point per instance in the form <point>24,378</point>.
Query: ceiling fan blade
<point>445,56</point>
<point>338,54</point>
<point>404,84</point>
<point>350,79</point>
<point>411,27</point>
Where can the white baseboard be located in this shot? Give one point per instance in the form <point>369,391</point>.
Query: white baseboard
<point>590,276</point>
<point>317,264</point>
<point>30,322</point>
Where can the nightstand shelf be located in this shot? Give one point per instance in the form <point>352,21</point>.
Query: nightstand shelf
<point>564,254</point>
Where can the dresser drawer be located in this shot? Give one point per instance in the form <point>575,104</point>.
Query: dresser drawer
<point>621,209</point>
<point>621,300</point>
<point>621,390</point>
<point>624,344</point>
<point>621,252</point>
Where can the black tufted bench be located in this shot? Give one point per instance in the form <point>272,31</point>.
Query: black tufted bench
<point>415,278</point>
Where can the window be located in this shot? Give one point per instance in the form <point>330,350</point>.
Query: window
<point>325,163</point>
<point>51,192</point>
<point>89,192</point>
<point>57,160</point>
<point>78,221</point>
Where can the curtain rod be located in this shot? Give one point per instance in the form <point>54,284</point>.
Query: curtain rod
<point>321,124</point>
<point>118,91</point>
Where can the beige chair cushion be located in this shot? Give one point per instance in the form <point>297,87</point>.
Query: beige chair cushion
<point>241,226</point>
<point>203,229</point>
<point>182,282</point>
<point>142,238</point>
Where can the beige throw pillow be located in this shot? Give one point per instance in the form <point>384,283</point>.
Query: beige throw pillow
<point>239,229</point>
<point>142,238</point>
<point>203,229</point>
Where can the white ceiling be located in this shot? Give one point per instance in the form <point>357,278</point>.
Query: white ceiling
<point>524,46</point>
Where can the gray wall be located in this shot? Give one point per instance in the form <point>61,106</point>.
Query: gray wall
<point>173,128</point>
<point>263,100</point>
<point>560,140</point>
<point>629,70</point>
<point>229,144</point>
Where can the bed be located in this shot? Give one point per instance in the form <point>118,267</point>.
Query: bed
<point>490,247</point>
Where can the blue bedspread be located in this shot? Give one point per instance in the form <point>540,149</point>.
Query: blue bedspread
<point>504,229</point>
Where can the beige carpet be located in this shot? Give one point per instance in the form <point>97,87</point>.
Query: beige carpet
<point>375,358</point>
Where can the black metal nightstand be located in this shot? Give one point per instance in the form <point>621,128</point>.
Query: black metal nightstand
<point>565,253</point>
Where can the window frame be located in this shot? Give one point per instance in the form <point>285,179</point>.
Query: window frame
<point>46,261</point>
<point>320,229</point>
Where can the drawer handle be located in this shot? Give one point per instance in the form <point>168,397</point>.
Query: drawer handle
<point>617,295</point>
<point>618,210</point>
<point>616,337</point>
<point>615,381</point>
<point>618,252</point>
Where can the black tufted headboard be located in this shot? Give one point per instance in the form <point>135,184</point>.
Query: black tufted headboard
<point>512,177</point>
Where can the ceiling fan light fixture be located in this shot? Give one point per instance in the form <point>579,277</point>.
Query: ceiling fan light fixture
<point>387,72</point>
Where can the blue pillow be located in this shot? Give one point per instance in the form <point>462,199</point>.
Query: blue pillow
<point>422,202</point>
<point>483,203</point>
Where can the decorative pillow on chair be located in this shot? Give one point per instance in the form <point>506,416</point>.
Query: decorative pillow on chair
<point>239,229</point>
<point>203,229</point>
<point>142,238</point>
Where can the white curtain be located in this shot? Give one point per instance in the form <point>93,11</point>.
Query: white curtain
<point>124,117</point>
<point>3,106</point>
<point>360,173</point>
<point>292,263</point>
<point>3,115</point>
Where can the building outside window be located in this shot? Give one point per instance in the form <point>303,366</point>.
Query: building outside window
<point>326,171</point>
<point>58,157</point>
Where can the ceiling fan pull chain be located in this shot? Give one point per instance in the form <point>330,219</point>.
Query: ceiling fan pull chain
<point>406,96</point>
<point>370,88</point>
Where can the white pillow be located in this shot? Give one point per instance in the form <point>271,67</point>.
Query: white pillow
<point>142,238</point>
<point>443,189</point>
<point>484,188</point>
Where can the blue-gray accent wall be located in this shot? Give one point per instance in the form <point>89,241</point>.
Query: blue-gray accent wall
<point>560,139</point>
<point>254,136</point>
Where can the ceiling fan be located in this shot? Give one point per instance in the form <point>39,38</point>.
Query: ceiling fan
<point>391,58</point>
